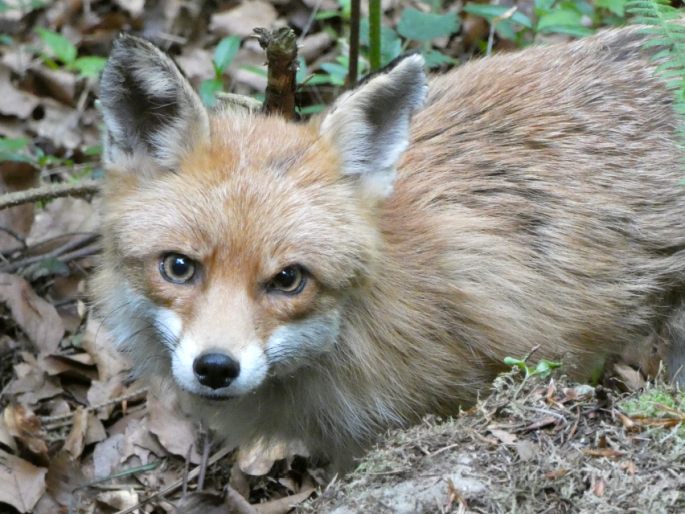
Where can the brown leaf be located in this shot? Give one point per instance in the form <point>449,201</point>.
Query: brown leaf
<point>14,102</point>
<point>6,438</point>
<point>240,20</point>
<point>118,500</point>
<point>610,453</point>
<point>526,450</point>
<point>598,486</point>
<point>75,441</point>
<point>556,473</point>
<point>21,483</point>
<point>174,431</point>
<point>284,505</point>
<point>503,435</point>
<point>59,124</point>
<point>16,176</point>
<point>36,317</point>
<point>259,458</point>
<point>97,343</point>
<point>24,425</point>
<point>631,378</point>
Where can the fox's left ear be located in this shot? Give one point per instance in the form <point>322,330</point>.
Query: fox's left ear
<point>370,124</point>
<point>151,113</point>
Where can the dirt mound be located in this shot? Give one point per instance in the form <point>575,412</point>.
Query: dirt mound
<point>533,446</point>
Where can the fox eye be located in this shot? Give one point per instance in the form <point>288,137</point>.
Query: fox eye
<point>290,280</point>
<point>177,268</point>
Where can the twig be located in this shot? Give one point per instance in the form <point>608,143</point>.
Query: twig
<point>206,445</point>
<point>60,251</point>
<point>213,459</point>
<point>281,54</point>
<point>124,398</point>
<point>355,16</point>
<point>83,188</point>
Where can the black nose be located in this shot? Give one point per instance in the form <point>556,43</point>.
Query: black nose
<point>216,370</point>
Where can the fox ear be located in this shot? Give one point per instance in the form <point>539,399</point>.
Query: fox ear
<point>370,124</point>
<point>150,110</point>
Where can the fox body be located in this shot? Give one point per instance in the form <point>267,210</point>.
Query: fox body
<point>332,279</point>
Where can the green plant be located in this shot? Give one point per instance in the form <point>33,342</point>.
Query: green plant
<point>64,52</point>
<point>224,54</point>
<point>664,22</point>
<point>542,369</point>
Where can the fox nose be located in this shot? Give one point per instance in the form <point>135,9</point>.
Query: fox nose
<point>216,370</point>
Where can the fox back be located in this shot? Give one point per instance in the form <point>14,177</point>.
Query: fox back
<point>331,279</point>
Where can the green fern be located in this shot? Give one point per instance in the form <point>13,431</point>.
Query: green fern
<point>666,25</point>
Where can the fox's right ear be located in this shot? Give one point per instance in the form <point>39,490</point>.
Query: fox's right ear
<point>150,110</point>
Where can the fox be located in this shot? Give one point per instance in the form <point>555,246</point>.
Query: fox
<point>327,280</point>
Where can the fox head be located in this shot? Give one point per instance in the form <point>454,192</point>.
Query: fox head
<point>234,241</point>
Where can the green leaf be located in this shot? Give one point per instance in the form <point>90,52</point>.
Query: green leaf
<point>90,66</point>
<point>208,90</point>
<point>490,12</point>
<point>225,52</point>
<point>312,109</point>
<point>13,149</point>
<point>563,21</point>
<point>618,7</point>
<point>336,72</point>
<point>544,368</point>
<point>391,44</point>
<point>435,59</point>
<point>421,26</point>
<point>61,47</point>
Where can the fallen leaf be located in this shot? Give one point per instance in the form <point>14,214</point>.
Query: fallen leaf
<point>259,458</point>
<point>24,425</point>
<point>175,432</point>
<point>285,504</point>
<point>13,101</point>
<point>16,176</point>
<point>526,450</point>
<point>603,452</point>
<point>107,456</point>
<point>118,500</point>
<point>240,20</point>
<point>75,441</point>
<point>503,435</point>
<point>36,317</point>
<point>631,378</point>
<point>21,483</point>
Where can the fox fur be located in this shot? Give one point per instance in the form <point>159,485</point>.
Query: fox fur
<point>521,200</point>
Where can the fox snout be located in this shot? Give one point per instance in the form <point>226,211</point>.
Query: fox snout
<point>216,370</point>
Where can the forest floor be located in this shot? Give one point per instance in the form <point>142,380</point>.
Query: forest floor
<point>77,435</point>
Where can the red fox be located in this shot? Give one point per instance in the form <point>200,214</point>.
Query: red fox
<point>327,280</point>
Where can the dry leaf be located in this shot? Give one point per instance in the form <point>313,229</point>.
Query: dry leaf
<point>95,432</point>
<point>503,435</point>
<point>259,458</point>
<point>6,438</point>
<point>630,377</point>
<point>36,317</point>
<point>107,456</point>
<point>526,450</point>
<point>14,102</point>
<point>75,441</point>
<point>174,431</point>
<point>16,176</point>
<point>97,343</point>
<point>285,504</point>
<point>240,20</point>
<point>63,216</point>
<point>21,483</point>
<point>24,425</point>
<point>603,452</point>
<point>119,500</point>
